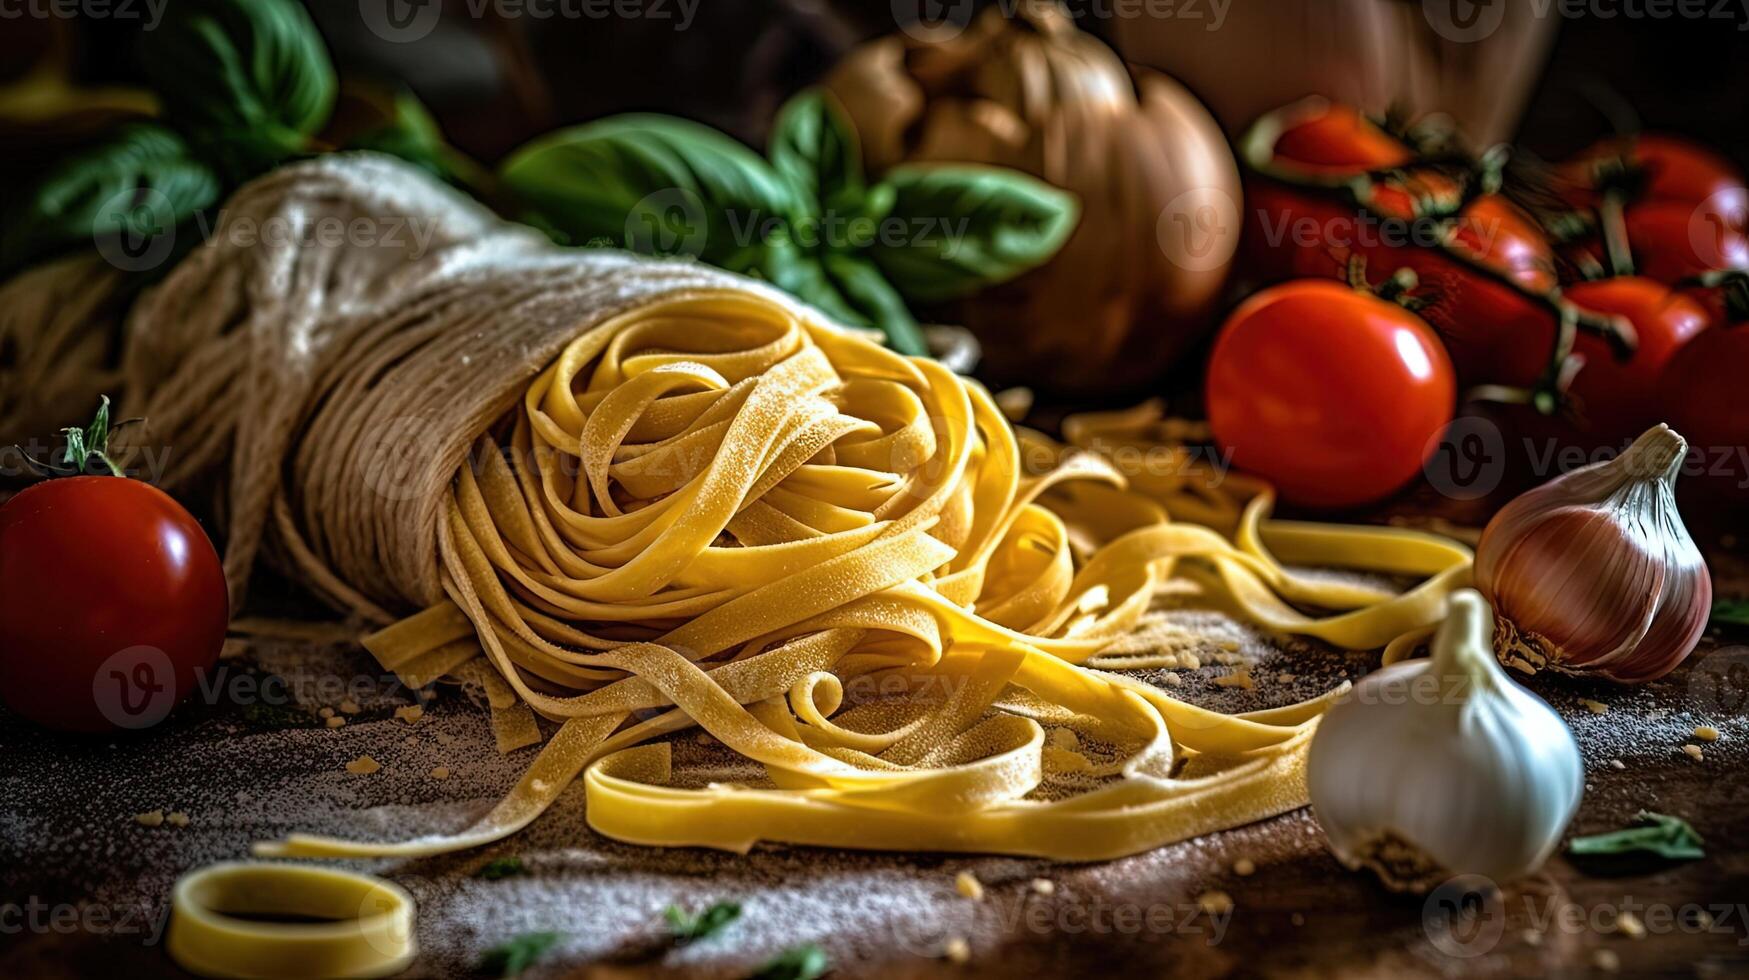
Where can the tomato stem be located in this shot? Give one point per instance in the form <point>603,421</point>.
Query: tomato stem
<point>86,452</point>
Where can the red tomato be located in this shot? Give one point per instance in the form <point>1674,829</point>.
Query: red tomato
<point>1701,393</point>
<point>112,600</point>
<point>1661,168</point>
<point>1493,332</point>
<point>1334,395</point>
<point>1340,139</point>
<point>1616,397</point>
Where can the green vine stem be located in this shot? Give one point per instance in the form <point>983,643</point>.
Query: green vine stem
<point>1257,149</point>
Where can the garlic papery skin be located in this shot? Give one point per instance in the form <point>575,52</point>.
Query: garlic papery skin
<point>1444,766</point>
<point>1593,572</point>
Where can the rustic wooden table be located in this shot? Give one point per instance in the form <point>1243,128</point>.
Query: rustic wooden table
<point>83,885</point>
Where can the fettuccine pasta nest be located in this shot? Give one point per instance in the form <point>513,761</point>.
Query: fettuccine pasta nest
<point>716,512</point>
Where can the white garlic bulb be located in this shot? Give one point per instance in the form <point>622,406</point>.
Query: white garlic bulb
<point>1444,766</point>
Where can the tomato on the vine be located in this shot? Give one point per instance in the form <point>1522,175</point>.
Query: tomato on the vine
<point>1701,393</point>
<point>1616,397</point>
<point>1339,138</point>
<point>1672,241</point>
<point>1654,167</point>
<point>1335,395</point>
<point>112,600</point>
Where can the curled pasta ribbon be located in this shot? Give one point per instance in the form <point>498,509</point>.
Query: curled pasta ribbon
<point>713,512</point>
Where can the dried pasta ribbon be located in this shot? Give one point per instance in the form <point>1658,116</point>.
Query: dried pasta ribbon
<point>713,511</point>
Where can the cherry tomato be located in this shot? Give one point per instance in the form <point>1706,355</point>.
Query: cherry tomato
<point>1618,398</point>
<point>112,600</point>
<point>1660,168</point>
<point>1338,138</point>
<point>1493,331</point>
<point>1334,395</point>
<point>1701,393</point>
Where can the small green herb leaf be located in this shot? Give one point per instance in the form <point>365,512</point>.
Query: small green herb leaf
<point>970,227</point>
<point>251,77</point>
<point>411,134</point>
<point>141,182</point>
<point>875,299</point>
<point>814,147</point>
<point>687,928</point>
<point>504,867</point>
<point>655,184</point>
<point>1734,612</point>
<point>1663,835</point>
<point>513,956</point>
<point>803,275</point>
<point>801,963</point>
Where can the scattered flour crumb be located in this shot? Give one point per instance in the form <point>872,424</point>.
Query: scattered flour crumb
<point>410,713</point>
<point>968,885</point>
<point>958,950</point>
<point>1044,886</point>
<point>1215,902</point>
<point>152,818</point>
<point>176,818</point>
<point>364,765</point>
<point>1244,867</point>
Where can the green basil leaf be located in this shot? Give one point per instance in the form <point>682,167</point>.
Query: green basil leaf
<point>498,869</point>
<point>803,275</point>
<point>867,290</point>
<point>654,184</point>
<point>513,956</point>
<point>411,134</point>
<point>814,147</point>
<point>1734,612</point>
<point>801,963</point>
<point>242,66</point>
<point>687,927</point>
<point>969,227</point>
<point>141,182</point>
<point>1663,835</point>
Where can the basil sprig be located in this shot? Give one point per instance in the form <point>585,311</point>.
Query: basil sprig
<point>806,218</point>
<point>246,85</point>
<point>1660,834</point>
<point>139,182</point>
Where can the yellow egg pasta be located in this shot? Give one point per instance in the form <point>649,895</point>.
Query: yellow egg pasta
<point>846,566</point>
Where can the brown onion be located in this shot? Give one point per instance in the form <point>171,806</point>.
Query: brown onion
<point>1139,280</point>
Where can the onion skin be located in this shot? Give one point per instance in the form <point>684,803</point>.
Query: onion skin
<point>1117,306</point>
<point>1594,573</point>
